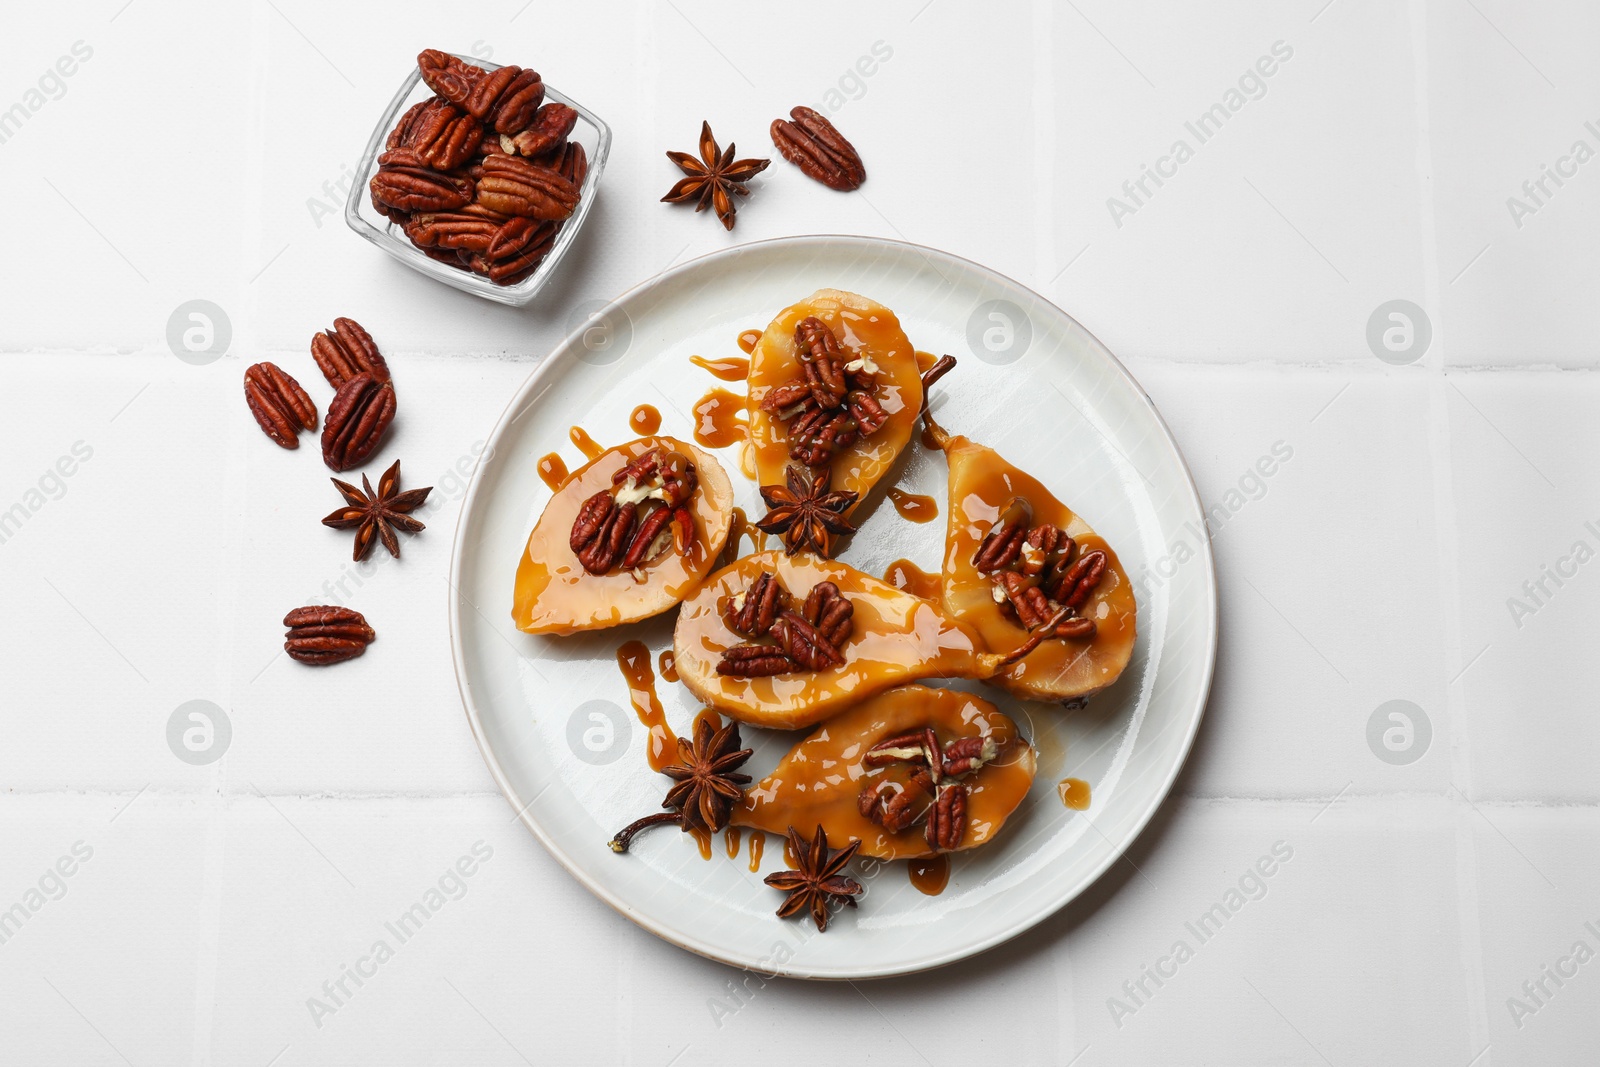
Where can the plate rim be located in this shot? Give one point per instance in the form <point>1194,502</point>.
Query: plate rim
<point>521,808</point>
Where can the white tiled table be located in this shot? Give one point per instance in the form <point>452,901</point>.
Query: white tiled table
<point>186,158</point>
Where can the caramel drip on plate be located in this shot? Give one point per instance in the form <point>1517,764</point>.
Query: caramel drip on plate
<point>758,847</point>
<point>914,506</point>
<point>645,420</point>
<point>749,339</point>
<point>553,471</point>
<point>925,361</point>
<point>668,666</point>
<point>1074,793</point>
<point>929,440</point>
<point>634,659</point>
<point>585,443</point>
<point>703,839</point>
<point>907,576</point>
<point>732,369</point>
<point>719,419</point>
<point>731,841</point>
<point>930,875</point>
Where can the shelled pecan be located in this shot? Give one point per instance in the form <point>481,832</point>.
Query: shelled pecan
<point>830,405</point>
<point>323,634</point>
<point>280,405</point>
<point>360,413</point>
<point>813,144</point>
<point>1037,573</point>
<point>932,790</point>
<point>811,639</point>
<point>346,351</point>
<point>514,186</point>
<point>547,131</point>
<point>644,513</point>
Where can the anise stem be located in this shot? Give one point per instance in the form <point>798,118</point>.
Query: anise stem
<point>625,837</point>
<point>943,366</point>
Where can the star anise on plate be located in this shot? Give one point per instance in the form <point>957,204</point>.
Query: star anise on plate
<point>818,882</point>
<point>805,513</point>
<point>713,179</point>
<point>376,516</point>
<point>707,786</point>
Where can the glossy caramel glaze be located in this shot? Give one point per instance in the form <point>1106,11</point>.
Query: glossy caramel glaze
<point>819,781</point>
<point>645,420</point>
<point>758,848</point>
<point>668,669</point>
<point>731,369</point>
<point>910,578</point>
<point>553,470</point>
<point>661,747</point>
<point>925,361</point>
<point>731,841</point>
<point>981,485</point>
<point>586,444</point>
<point>864,328</point>
<point>719,419</point>
<point>894,638</point>
<point>749,339</point>
<point>555,595</point>
<point>931,875</point>
<point>1074,793</point>
<point>913,506</point>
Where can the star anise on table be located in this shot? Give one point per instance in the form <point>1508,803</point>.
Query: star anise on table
<point>713,179</point>
<point>707,786</point>
<point>818,882</point>
<point>804,512</point>
<point>376,516</point>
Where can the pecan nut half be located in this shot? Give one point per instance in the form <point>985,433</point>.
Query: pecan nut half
<point>449,76</point>
<point>947,818</point>
<point>547,132</point>
<point>444,136</point>
<point>754,661</point>
<point>405,182</point>
<point>517,101</point>
<point>346,351</point>
<point>323,634</point>
<point>360,413</point>
<point>755,614</point>
<point>514,186</point>
<point>280,406</point>
<point>813,144</point>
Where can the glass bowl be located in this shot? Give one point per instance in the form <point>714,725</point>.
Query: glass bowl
<point>363,218</point>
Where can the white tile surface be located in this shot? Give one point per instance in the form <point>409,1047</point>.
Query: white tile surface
<point>186,158</point>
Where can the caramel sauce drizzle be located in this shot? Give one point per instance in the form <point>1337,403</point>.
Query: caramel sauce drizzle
<point>758,847</point>
<point>553,471</point>
<point>719,419</point>
<point>930,875</point>
<point>925,361</point>
<point>908,577</point>
<point>703,839</point>
<point>749,339</point>
<point>585,443</point>
<point>914,506</point>
<point>732,369</point>
<point>1074,793</point>
<point>731,841</point>
<point>645,420</point>
<point>668,666</point>
<point>633,658</point>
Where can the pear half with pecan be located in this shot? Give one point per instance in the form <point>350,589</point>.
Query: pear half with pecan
<point>787,641</point>
<point>629,534</point>
<point>1015,559</point>
<point>912,772</point>
<point>834,386</point>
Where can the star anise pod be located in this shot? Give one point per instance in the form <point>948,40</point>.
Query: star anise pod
<point>376,516</point>
<point>707,786</point>
<point>818,882</point>
<point>805,513</point>
<point>713,179</point>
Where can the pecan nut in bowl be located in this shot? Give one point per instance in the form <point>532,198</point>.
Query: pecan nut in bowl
<point>626,537</point>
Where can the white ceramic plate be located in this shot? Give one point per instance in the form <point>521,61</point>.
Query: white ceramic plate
<point>552,715</point>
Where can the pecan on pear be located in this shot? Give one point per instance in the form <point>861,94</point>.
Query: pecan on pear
<point>405,181</point>
<point>650,539</point>
<point>916,746</point>
<point>947,818</point>
<point>514,186</point>
<point>754,661</point>
<point>610,539</point>
<point>804,644</point>
<point>1072,586</point>
<point>592,514</point>
<point>1003,544</point>
<point>1024,598</point>
<point>813,144</point>
<point>1045,545</point>
<point>346,351</point>
<point>360,413</point>
<point>895,806</point>
<point>867,412</point>
<point>280,406</point>
<point>323,634</point>
<point>547,132</point>
<point>448,76</point>
<point>753,612</point>
<point>830,612</point>
<point>968,754</point>
<point>444,136</point>
<point>821,360</point>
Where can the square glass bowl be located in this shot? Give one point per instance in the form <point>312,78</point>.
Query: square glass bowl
<point>363,218</point>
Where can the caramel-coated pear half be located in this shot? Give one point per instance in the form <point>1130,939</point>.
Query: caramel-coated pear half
<point>894,638</point>
<point>982,485</point>
<point>555,595</point>
<point>820,780</point>
<point>867,331</point>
